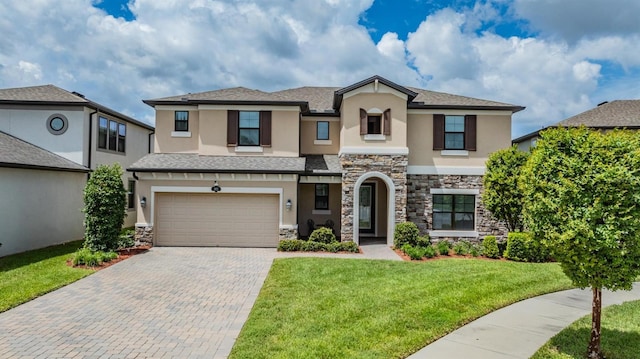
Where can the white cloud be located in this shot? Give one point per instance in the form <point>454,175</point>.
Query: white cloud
<point>391,47</point>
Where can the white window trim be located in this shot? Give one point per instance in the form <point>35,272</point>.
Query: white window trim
<point>467,191</point>
<point>365,150</point>
<point>375,137</point>
<point>249,149</point>
<point>321,211</point>
<point>323,142</point>
<point>466,234</point>
<point>181,134</point>
<point>454,153</point>
<point>446,170</point>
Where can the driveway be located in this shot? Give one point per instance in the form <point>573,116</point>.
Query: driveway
<point>166,303</point>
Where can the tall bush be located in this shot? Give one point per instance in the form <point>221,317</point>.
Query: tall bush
<point>323,235</point>
<point>405,233</point>
<point>104,208</point>
<point>490,247</point>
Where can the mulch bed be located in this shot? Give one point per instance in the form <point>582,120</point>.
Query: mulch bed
<point>438,257</point>
<point>122,255</point>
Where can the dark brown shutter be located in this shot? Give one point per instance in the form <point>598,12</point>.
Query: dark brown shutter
<point>438,132</point>
<point>470,132</point>
<point>387,122</point>
<point>265,128</point>
<point>232,127</point>
<point>363,122</point>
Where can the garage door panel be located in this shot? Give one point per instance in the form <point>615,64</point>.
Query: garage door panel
<point>239,220</point>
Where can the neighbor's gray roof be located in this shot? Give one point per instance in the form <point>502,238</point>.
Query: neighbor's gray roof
<point>17,153</point>
<point>324,99</point>
<point>191,162</point>
<point>619,113</point>
<point>323,164</point>
<point>53,95</point>
<point>614,114</point>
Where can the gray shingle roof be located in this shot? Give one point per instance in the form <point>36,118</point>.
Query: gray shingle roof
<point>191,162</point>
<point>323,164</point>
<point>17,153</point>
<point>53,95</point>
<point>321,99</point>
<point>619,113</point>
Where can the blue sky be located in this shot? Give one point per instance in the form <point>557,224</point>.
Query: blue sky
<point>557,58</point>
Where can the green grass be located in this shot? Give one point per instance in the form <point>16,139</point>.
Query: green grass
<point>620,335</point>
<point>27,275</point>
<point>342,308</point>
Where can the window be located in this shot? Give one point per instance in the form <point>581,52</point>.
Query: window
<point>322,196</point>
<point>453,212</point>
<point>181,121</point>
<point>131,194</point>
<point>249,129</point>
<point>374,125</point>
<point>112,135</point>
<point>57,124</point>
<point>454,132</point>
<point>322,130</point>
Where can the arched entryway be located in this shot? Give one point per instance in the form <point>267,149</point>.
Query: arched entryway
<point>389,187</point>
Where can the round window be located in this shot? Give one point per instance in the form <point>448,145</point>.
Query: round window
<point>57,124</point>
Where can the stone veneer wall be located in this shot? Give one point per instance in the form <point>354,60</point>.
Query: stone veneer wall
<point>420,204</point>
<point>354,166</point>
<point>289,233</point>
<point>144,236</point>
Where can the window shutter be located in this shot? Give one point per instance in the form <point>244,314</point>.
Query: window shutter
<point>470,132</point>
<point>265,128</point>
<point>387,122</point>
<point>438,132</point>
<point>363,121</point>
<point>232,127</point>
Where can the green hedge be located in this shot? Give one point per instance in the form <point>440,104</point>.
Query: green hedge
<point>490,247</point>
<point>323,235</point>
<point>295,245</point>
<point>405,233</point>
<point>522,247</point>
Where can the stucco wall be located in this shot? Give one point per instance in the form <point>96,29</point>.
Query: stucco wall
<point>30,124</point>
<point>308,143</point>
<point>39,208</point>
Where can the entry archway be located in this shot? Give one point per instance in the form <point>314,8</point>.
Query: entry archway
<point>391,200</point>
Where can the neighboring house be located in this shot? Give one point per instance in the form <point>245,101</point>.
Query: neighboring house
<point>76,128</point>
<point>242,167</point>
<point>606,116</point>
<point>39,192</point>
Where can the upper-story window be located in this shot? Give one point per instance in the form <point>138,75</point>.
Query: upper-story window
<point>454,132</point>
<point>112,135</point>
<point>249,128</point>
<point>322,130</point>
<point>181,121</point>
<point>374,125</point>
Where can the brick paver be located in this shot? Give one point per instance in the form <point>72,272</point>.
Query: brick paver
<point>166,303</point>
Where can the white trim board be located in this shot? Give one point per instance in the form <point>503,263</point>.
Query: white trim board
<point>458,112</point>
<point>359,150</point>
<point>465,234</point>
<point>474,191</point>
<point>446,170</point>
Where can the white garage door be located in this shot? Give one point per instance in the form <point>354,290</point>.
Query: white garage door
<point>232,220</point>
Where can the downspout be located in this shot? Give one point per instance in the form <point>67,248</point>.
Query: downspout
<point>149,142</point>
<point>90,139</point>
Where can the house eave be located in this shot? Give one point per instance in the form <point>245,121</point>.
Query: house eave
<point>46,168</point>
<point>304,106</point>
<point>418,106</point>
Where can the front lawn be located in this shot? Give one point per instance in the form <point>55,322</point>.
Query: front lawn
<point>620,335</point>
<point>27,275</point>
<point>352,308</point>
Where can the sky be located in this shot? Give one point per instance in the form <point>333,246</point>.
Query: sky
<point>555,57</point>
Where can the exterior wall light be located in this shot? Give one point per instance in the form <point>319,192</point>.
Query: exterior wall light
<point>215,187</point>
<point>288,205</point>
<point>143,202</point>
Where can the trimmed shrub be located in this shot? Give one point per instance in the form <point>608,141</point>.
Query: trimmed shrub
<point>311,246</point>
<point>323,235</point>
<point>522,247</point>
<point>85,256</point>
<point>443,248</point>
<point>429,251</point>
<point>349,247</point>
<point>333,247</point>
<point>415,253</point>
<point>289,245</point>
<point>475,250</point>
<point>405,233</point>
<point>423,241</point>
<point>502,247</point>
<point>490,247</point>
<point>126,240</point>
<point>104,208</point>
<point>461,248</point>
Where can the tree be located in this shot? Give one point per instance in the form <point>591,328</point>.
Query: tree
<point>502,197</point>
<point>582,195</point>
<point>104,208</point>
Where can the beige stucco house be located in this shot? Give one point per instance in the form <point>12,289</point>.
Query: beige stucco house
<point>241,167</point>
<point>68,125</point>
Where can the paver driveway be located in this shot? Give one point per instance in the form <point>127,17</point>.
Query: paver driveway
<point>166,303</point>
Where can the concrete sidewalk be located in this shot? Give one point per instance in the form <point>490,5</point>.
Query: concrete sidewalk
<point>519,330</point>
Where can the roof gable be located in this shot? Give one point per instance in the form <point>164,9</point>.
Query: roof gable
<point>619,113</point>
<point>376,81</point>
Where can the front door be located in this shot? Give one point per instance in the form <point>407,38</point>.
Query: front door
<point>367,208</point>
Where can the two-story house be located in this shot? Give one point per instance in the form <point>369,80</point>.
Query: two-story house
<point>66,125</point>
<point>241,167</point>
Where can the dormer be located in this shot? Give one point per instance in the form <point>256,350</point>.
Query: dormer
<point>373,116</point>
